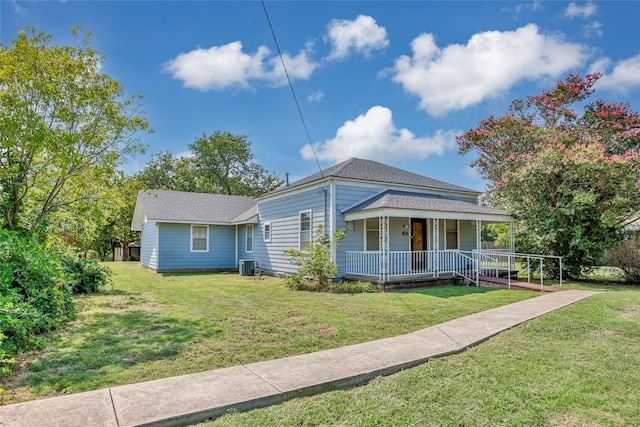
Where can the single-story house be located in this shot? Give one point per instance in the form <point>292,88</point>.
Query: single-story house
<point>397,224</point>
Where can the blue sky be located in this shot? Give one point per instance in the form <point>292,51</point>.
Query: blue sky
<point>387,81</point>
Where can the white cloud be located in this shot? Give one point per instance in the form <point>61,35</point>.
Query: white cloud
<point>592,29</point>
<point>624,77</point>
<point>225,66</point>
<point>22,13</point>
<point>374,136</point>
<point>298,67</point>
<point>457,76</point>
<point>523,7</point>
<point>362,36</point>
<point>184,155</point>
<point>315,96</point>
<point>472,173</point>
<point>576,11</point>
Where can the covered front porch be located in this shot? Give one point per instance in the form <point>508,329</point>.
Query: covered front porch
<point>404,234</point>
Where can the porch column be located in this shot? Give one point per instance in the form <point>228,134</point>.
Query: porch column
<point>477,252</point>
<point>436,247</point>
<point>512,242</point>
<point>384,247</point>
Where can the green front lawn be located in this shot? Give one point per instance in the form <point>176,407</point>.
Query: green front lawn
<point>151,326</point>
<point>576,367</point>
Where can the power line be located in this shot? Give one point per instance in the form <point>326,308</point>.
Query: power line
<point>293,92</point>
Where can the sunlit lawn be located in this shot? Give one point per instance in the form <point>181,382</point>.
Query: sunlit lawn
<point>150,326</point>
<point>578,366</point>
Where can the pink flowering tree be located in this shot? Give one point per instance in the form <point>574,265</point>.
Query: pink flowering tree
<point>572,181</point>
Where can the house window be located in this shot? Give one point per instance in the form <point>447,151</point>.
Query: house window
<point>305,230</point>
<point>451,236</point>
<point>249,238</point>
<point>267,231</point>
<point>372,234</point>
<point>199,238</point>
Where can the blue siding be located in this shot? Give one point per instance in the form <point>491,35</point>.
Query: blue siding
<point>283,214</point>
<point>148,248</point>
<point>242,241</point>
<point>175,248</point>
<point>467,235</point>
<point>347,196</point>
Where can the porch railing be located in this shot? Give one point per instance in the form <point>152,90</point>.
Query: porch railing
<point>470,264</point>
<point>501,262</point>
<point>412,263</point>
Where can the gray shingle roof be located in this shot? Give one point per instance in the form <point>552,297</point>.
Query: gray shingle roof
<point>196,207</point>
<point>393,199</point>
<point>369,170</point>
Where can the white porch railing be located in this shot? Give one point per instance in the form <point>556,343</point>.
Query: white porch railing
<point>501,262</point>
<point>412,263</point>
<point>470,265</point>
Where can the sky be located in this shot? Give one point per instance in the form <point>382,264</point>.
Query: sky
<point>393,81</point>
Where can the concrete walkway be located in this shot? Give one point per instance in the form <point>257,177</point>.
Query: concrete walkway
<point>193,398</point>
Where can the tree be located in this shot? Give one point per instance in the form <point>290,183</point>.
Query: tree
<point>227,161</point>
<point>64,126</point>
<point>221,163</point>
<point>571,181</point>
<point>118,205</point>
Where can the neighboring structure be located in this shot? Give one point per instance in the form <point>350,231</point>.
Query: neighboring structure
<point>130,253</point>
<point>397,224</point>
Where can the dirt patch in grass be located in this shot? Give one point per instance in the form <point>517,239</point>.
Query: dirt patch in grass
<point>612,332</point>
<point>572,421</point>
<point>325,331</point>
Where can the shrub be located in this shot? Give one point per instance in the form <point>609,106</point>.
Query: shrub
<point>353,288</point>
<point>34,296</point>
<point>626,257</point>
<point>314,262</point>
<point>85,275</point>
<point>301,284</point>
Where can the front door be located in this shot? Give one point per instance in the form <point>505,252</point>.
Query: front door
<point>418,244</point>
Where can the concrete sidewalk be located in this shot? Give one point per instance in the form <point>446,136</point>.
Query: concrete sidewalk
<point>193,398</point>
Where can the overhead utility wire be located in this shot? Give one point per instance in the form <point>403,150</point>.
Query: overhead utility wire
<point>295,98</point>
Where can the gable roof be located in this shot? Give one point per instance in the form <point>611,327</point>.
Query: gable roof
<point>179,206</point>
<point>371,171</point>
<point>407,200</point>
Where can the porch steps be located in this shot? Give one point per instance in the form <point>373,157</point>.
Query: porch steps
<point>519,285</point>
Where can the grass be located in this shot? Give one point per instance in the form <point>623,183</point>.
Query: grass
<point>574,367</point>
<point>151,326</point>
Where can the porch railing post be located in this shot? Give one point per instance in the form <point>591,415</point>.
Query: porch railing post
<point>436,249</point>
<point>476,263</point>
<point>560,261</point>
<point>384,248</point>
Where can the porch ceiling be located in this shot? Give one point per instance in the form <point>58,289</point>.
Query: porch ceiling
<point>394,203</point>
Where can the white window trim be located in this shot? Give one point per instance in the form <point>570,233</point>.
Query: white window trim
<point>249,232</point>
<point>308,211</point>
<point>266,235</point>
<point>191,238</point>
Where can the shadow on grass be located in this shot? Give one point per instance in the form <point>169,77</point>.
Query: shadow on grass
<point>108,342</point>
<point>199,273</point>
<point>447,291</point>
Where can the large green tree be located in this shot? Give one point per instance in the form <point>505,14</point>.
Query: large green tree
<point>64,126</point>
<point>572,181</point>
<point>220,163</point>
